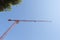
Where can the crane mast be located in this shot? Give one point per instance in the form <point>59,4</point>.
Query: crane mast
<point>16,22</point>
<point>9,29</point>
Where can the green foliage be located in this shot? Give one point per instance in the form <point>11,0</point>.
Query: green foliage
<point>6,4</point>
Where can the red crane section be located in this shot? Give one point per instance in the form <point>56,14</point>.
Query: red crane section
<point>9,29</point>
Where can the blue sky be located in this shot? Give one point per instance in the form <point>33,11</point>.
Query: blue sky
<point>34,10</point>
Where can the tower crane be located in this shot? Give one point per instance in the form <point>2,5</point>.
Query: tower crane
<point>16,22</point>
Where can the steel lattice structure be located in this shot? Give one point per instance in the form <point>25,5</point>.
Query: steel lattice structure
<point>16,22</point>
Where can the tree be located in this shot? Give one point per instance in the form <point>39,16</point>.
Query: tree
<point>6,4</point>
